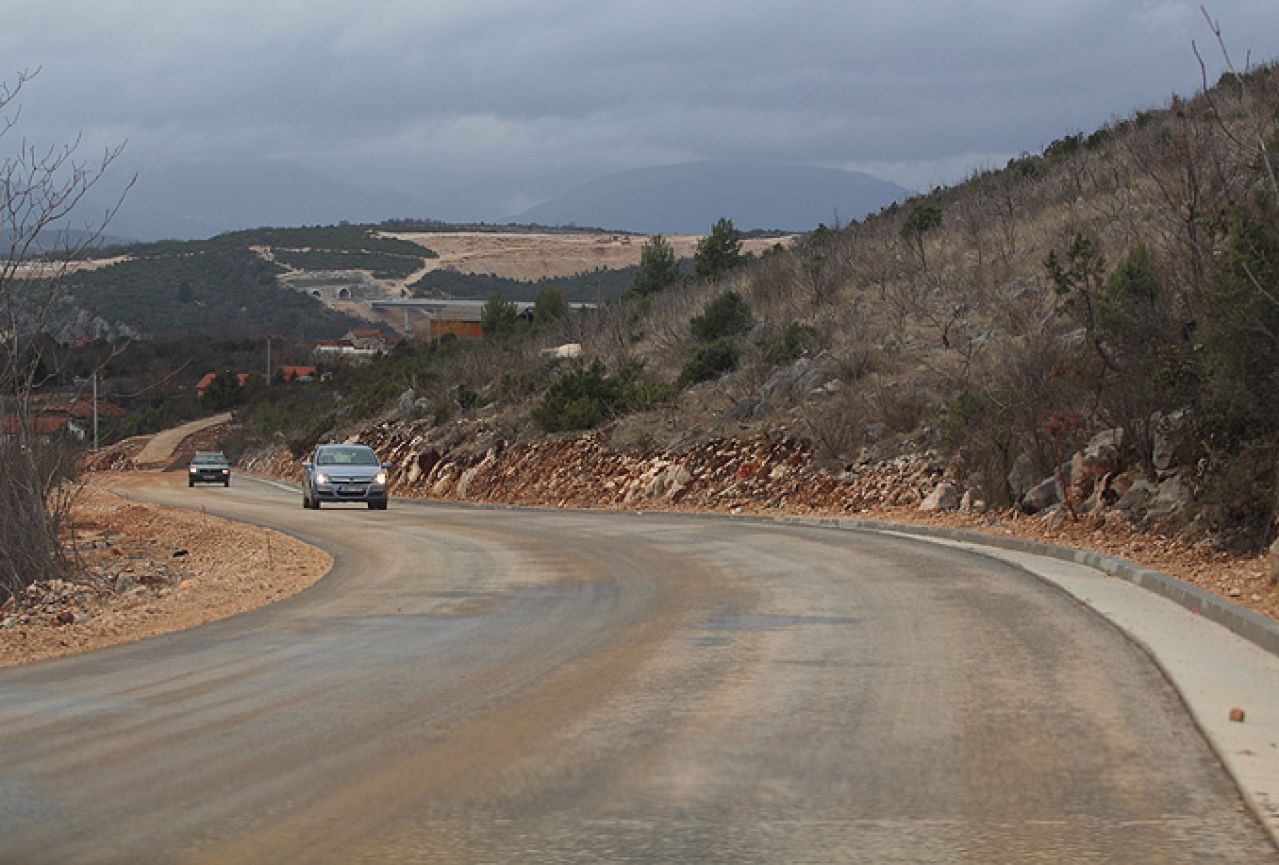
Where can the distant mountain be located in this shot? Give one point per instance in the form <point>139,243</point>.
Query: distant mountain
<point>57,239</point>
<point>688,198</point>
<point>197,200</point>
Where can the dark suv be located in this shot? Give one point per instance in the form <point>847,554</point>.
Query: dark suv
<point>209,467</point>
<point>344,473</point>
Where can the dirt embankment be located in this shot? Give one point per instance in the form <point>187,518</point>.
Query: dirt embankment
<point>759,475</point>
<point>143,570</point>
<point>147,570</point>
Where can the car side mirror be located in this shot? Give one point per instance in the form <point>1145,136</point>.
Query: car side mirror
<point>306,464</point>
<point>386,465</point>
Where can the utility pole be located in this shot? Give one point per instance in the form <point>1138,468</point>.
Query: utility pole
<point>95,410</point>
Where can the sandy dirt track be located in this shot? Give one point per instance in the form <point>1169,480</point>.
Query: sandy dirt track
<point>529,255</point>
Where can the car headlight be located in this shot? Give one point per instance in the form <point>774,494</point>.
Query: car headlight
<point>321,478</point>
<point>380,479</point>
<point>193,469</point>
<point>226,471</point>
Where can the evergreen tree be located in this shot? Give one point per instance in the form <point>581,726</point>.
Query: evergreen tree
<point>657,267</point>
<point>550,305</point>
<point>499,316</point>
<point>720,251</point>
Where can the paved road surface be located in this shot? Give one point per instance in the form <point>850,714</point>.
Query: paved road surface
<point>502,687</point>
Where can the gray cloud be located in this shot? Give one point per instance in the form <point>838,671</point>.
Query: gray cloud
<point>486,107</point>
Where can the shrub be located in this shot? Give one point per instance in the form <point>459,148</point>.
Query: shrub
<point>587,395</point>
<point>302,440</point>
<point>709,361</point>
<point>794,343</point>
<point>578,400</point>
<point>726,316</point>
<point>466,397</point>
<point>499,316</point>
<point>646,394</point>
<point>1238,352</point>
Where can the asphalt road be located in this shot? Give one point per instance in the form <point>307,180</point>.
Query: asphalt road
<point>502,686</point>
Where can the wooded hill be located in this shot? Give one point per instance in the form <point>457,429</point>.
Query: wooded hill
<point>229,286</point>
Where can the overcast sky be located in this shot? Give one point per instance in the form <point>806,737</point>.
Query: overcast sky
<point>486,106</point>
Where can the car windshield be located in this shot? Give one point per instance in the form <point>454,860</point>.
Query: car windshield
<point>350,456</point>
<point>214,459</point>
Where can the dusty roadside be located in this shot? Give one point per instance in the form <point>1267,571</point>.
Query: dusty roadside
<point>149,570</point>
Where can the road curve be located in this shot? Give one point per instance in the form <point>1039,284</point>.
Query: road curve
<point>161,447</point>
<point>509,686</point>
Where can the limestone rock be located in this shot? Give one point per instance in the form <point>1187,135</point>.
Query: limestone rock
<point>745,408</point>
<point>1136,497</point>
<point>405,406</point>
<point>1097,458</point>
<point>1041,496</point>
<point>1167,432</point>
<point>1022,477</point>
<point>1172,497</point>
<point>1056,519</point>
<point>944,497</point>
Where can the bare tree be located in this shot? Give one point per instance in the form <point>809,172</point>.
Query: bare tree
<point>40,187</point>
<point>1259,128</point>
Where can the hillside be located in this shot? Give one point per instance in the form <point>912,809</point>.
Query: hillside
<point>234,285</point>
<point>1088,332</point>
<point>684,199</point>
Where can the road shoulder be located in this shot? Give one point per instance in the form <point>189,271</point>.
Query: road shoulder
<point>1214,670</point>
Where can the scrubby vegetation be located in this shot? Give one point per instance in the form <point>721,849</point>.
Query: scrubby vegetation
<point>213,290</point>
<point>1122,279</point>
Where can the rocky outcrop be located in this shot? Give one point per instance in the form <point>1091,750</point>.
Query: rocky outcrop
<point>1022,477</point>
<point>944,497</point>
<point>1098,458</point>
<point>758,473</point>
<point>472,460</point>
<point>1041,496</point>
<point>1171,498</point>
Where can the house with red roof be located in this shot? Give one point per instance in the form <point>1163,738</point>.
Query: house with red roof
<point>297,373</point>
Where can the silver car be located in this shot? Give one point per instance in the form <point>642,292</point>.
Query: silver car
<point>344,473</point>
